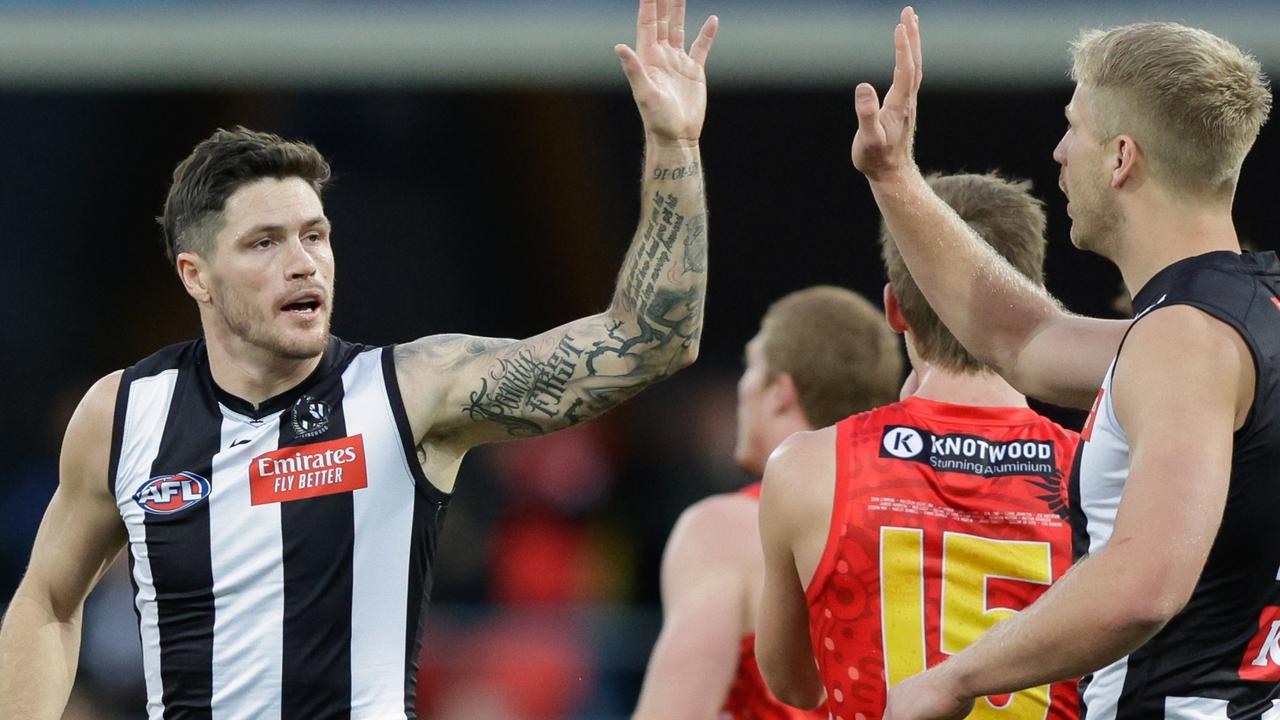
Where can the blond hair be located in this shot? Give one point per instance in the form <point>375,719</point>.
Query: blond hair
<point>837,348</point>
<point>1193,101</point>
<point>1006,215</point>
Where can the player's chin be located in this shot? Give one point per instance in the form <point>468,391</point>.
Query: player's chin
<point>1081,237</point>
<point>747,460</point>
<point>1075,239</point>
<point>303,342</point>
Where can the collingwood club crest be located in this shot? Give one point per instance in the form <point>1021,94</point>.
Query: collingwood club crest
<point>309,417</point>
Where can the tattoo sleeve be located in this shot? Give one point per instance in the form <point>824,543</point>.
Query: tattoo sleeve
<point>503,389</point>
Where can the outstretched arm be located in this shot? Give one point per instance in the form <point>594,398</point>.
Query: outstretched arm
<point>710,564</point>
<point>462,391</point>
<point>998,314</point>
<point>80,535</point>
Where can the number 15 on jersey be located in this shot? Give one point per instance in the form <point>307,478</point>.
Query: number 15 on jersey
<point>966,607</point>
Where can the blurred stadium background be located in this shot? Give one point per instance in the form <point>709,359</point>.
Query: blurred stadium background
<point>487,155</point>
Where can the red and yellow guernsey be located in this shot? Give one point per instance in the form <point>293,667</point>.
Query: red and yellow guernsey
<point>946,520</point>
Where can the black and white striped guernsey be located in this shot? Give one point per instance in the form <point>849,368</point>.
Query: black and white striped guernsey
<point>281,555</point>
<point>1219,658</point>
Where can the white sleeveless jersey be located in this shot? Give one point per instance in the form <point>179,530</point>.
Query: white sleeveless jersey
<point>1219,658</point>
<point>281,555</point>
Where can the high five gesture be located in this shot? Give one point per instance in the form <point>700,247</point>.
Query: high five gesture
<point>470,390</point>
<point>668,83</point>
<point>886,132</point>
<point>1000,316</point>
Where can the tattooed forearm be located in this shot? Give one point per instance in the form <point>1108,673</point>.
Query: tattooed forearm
<point>677,173</point>
<point>552,382</point>
<point>671,315</point>
<point>511,389</point>
<point>695,245</point>
<point>644,268</point>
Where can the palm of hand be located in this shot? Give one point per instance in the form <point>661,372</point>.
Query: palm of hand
<point>668,83</point>
<point>675,101</point>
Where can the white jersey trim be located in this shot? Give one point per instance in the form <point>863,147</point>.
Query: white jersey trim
<point>248,575</point>
<point>383,538</point>
<point>145,417</point>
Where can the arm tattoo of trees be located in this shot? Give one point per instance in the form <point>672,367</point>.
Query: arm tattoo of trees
<point>671,317</point>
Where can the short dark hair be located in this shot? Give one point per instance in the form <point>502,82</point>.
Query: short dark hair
<point>837,348</point>
<point>218,166</point>
<point>1002,212</point>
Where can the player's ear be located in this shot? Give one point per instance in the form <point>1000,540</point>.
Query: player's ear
<point>1124,161</point>
<point>893,311</point>
<point>783,394</point>
<point>193,272</point>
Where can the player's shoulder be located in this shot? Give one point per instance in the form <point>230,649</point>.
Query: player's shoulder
<point>1178,354</point>
<point>715,518</point>
<point>87,444</point>
<point>1229,292</point>
<point>803,449</point>
<point>1179,331</point>
<point>798,477</point>
<point>171,357</point>
<point>1222,278</point>
<point>714,536</point>
<point>99,402</point>
<point>100,397</point>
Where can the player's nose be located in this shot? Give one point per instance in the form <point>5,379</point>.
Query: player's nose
<point>1060,151</point>
<point>299,262</point>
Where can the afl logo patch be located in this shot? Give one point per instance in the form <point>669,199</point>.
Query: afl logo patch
<point>309,417</point>
<point>168,494</point>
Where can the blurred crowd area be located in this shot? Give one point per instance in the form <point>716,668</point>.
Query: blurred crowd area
<point>499,213</point>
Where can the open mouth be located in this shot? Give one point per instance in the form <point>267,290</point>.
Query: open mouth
<point>306,305</point>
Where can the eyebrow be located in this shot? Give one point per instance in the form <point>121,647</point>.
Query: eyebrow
<point>318,221</point>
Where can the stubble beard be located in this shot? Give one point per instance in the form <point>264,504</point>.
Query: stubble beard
<point>1097,223</point>
<point>248,324</point>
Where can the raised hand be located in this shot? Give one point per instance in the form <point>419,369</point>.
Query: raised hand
<point>886,132</point>
<point>669,85</point>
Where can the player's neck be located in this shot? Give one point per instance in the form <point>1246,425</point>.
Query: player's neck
<point>1156,235</point>
<point>252,373</point>
<point>986,389</point>
<point>779,429</point>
